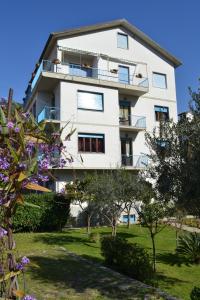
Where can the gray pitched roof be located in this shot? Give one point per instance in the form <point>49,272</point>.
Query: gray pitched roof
<point>107,25</point>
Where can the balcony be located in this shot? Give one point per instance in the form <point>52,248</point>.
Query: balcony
<point>125,82</point>
<point>132,122</point>
<point>49,114</point>
<point>134,161</point>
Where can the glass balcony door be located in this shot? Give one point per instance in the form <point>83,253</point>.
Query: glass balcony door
<point>123,74</point>
<point>124,113</point>
<point>126,152</point>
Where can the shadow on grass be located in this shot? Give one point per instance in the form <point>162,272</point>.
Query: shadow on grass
<point>66,273</point>
<point>60,239</point>
<point>172,259</point>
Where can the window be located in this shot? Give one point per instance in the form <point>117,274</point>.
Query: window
<point>90,101</point>
<point>122,40</point>
<point>91,143</point>
<point>161,113</point>
<point>159,80</point>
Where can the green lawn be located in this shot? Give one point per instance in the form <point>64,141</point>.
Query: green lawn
<point>58,276</point>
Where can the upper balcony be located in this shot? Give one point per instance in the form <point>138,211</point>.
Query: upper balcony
<point>118,77</point>
<point>132,123</point>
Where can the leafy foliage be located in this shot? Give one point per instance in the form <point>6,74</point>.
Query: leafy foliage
<point>189,247</point>
<point>176,161</point>
<point>128,258</point>
<point>51,212</point>
<point>195,293</point>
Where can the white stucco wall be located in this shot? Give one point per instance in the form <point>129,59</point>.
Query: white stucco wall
<point>144,60</point>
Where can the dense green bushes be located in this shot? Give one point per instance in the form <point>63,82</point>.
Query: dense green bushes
<point>52,213</point>
<point>130,259</point>
<point>195,293</point>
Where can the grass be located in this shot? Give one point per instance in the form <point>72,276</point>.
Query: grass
<point>57,276</point>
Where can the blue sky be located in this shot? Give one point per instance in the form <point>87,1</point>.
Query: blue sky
<point>25,26</point>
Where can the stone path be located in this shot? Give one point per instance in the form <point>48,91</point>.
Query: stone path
<point>186,228</point>
<point>122,282</point>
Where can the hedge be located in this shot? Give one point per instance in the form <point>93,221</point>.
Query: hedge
<point>127,258</point>
<point>52,214</point>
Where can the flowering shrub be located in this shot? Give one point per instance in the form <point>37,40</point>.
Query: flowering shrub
<point>26,154</point>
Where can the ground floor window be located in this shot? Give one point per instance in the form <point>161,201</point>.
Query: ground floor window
<point>91,143</point>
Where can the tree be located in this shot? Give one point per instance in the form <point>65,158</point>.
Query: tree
<point>151,212</point>
<point>112,190</point>
<point>175,156</point>
<point>26,153</point>
<point>80,194</point>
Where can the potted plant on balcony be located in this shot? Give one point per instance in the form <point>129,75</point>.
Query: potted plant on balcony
<point>56,61</point>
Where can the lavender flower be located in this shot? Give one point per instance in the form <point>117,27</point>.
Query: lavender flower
<point>25,260</point>
<point>10,124</point>
<point>3,232</point>
<point>43,178</point>
<point>4,164</point>
<point>17,129</point>
<point>43,164</point>
<point>4,177</point>
<point>19,266</point>
<point>29,297</point>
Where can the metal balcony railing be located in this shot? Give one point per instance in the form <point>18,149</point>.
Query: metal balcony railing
<point>88,71</point>
<point>49,113</point>
<point>136,161</point>
<point>133,121</point>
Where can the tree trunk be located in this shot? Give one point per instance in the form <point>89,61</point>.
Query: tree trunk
<point>114,227</point>
<point>128,223</point>
<point>154,251</point>
<point>88,223</point>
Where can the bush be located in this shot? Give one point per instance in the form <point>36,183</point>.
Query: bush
<point>52,213</point>
<point>195,293</point>
<point>128,258</point>
<point>189,247</point>
<point>94,237</point>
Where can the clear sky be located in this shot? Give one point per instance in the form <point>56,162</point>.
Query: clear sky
<point>25,26</point>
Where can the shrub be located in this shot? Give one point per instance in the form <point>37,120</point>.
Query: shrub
<point>128,258</point>
<point>94,237</point>
<point>195,293</point>
<point>52,213</point>
<point>189,247</point>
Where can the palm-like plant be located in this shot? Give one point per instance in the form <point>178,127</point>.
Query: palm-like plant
<point>189,247</point>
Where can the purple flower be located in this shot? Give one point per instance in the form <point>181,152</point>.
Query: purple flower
<point>4,177</point>
<point>43,178</point>
<point>17,129</point>
<point>4,164</point>
<point>44,164</point>
<point>10,124</point>
<point>62,162</point>
<point>3,232</point>
<point>26,114</point>
<point>25,260</point>
<point>19,266</point>
<point>22,166</point>
<point>29,297</point>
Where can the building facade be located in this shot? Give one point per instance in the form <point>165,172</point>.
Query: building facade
<point>112,83</point>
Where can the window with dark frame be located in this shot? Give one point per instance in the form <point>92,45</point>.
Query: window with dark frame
<point>161,113</point>
<point>122,40</point>
<point>90,101</point>
<point>159,80</point>
<point>92,143</point>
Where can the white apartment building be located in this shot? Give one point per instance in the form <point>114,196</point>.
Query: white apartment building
<point>112,82</point>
